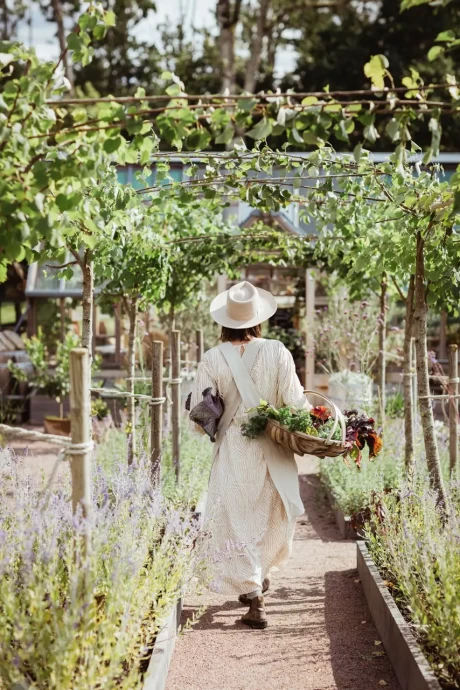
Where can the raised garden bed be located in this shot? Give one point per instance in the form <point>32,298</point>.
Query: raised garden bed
<point>410,665</point>
<point>157,671</point>
<point>344,522</point>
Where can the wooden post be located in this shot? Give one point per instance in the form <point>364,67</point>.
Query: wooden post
<point>156,418</point>
<point>414,389</point>
<point>382,344</point>
<point>118,318</point>
<point>80,415</point>
<point>93,340</point>
<point>453,411</point>
<point>309,326</point>
<point>176,400</point>
<point>199,345</point>
<point>62,317</point>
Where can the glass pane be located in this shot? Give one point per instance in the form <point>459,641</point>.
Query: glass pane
<point>47,278</point>
<point>76,282</point>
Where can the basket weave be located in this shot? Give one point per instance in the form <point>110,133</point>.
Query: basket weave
<point>303,444</point>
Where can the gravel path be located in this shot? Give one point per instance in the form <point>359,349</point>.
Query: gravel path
<point>320,634</point>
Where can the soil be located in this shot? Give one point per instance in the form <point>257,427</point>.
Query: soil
<point>320,634</point>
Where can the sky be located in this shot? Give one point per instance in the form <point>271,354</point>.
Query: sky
<point>201,13</point>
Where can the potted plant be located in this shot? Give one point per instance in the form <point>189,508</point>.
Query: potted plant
<point>53,381</point>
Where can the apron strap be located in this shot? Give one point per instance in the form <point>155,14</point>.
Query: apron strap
<point>241,368</point>
<point>233,398</point>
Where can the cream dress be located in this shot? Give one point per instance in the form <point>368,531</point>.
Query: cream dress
<point>250,529</point>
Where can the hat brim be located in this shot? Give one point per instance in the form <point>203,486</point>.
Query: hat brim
<point>218,310</point>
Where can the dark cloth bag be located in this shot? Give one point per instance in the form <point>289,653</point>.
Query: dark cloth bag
<point>207,413</point>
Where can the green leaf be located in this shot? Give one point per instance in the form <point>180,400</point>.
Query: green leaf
<point>357,152</point>
<point>111,145</point>
<point>226,135</point>
<point>435,52</point>
<point>309,100</point>
<point>262,129</point>
<point>448,35</point>
<point>110,18</point>
<point>246,104</point>
<point>392,129</point>
<point>74,41</point>
<point>376,70</point>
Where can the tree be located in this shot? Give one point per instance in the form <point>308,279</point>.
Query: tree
<point>122,62</point>
<point>11,13</point>
<point>332,52</point>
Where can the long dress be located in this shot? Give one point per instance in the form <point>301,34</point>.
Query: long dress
<point>245,515</point>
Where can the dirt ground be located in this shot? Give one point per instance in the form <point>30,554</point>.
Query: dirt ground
<point>320,634</point>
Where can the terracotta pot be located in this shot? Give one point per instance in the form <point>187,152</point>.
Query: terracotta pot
<point>59,426</point>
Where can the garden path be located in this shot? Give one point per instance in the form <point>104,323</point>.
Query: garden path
<point>320,634</point>
<point>37,456</point>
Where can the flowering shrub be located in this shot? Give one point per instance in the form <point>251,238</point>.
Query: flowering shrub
<point>71,622</point>
<point>418,553</point>
<point>346,334</point>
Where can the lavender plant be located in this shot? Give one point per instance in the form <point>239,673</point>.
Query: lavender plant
<point>75,622</point>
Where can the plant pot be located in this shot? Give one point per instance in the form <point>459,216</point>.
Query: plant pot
<point>59,426</point>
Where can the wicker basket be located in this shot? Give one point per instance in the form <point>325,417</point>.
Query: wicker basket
<point>303,444</point>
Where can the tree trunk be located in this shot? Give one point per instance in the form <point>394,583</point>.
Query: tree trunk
<point>5,32</point>
<point>423,385</point>
<point>227,19</point>
<point>61,35</point>
<point>132,314</point>
<point>382,343</point>
<point>407,383</point>
<point>256,47</point>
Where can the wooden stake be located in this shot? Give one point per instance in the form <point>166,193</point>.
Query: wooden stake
<point>382,341</point>
<point>309,332</point>
<point>199,345</point>
<point>132,438</point>
<point>156,415</point>
<point>443,336</point>
<point>176,399</point>
<point>453,411</point>
<point>80,415</point>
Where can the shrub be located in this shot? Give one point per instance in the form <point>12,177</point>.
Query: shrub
<point>71,622</point>
<point>418,553</point>
<point>352,487</point>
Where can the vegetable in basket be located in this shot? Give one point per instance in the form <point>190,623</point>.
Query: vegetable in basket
<point>318,422</point>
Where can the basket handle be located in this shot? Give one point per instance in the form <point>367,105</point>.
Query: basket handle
<point>338,416</point>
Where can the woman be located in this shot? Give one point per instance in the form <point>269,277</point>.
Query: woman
<point>253,496</point>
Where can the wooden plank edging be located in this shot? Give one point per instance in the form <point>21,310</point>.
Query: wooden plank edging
<point>409,663</point>
<point>157,671</point>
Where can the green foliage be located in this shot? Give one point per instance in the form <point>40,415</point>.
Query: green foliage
<point>395,405</point>
<point>196,455</point>
<point>295,419</point>
<point>51,374</point>
<point>352,487</point>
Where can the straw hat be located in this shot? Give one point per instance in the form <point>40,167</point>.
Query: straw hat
<point>243,306</point>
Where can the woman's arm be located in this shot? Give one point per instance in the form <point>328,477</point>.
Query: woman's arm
<point>290,388</point>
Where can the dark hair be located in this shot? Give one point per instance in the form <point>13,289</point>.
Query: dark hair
<point>242,334</point>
